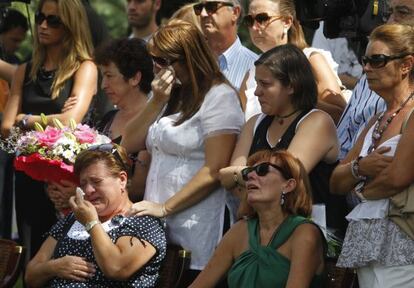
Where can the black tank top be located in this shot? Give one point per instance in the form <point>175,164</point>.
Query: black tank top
<point>36,96</point>
<point>318,177</point>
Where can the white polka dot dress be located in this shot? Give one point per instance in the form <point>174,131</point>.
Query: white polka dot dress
<point>77,242</point>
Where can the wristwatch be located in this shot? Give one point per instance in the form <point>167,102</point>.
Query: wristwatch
<point>23,123</point>
<point>89,225</point>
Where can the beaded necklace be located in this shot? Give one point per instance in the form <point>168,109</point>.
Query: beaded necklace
<point>377,133</point>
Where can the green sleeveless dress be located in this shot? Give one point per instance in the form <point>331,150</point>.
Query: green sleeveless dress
<point>262,266</point>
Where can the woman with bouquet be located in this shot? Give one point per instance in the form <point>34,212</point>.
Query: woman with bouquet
<point>127,72</point>
<point>97,245</point>
<point>190,127</point>
<point>61,66</point>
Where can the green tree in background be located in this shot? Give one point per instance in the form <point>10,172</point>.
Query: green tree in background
<point>114,15</point>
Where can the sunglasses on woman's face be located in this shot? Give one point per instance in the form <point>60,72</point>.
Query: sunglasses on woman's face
<point>53,21</point>
<point>380,60</point>
<point>210,6</point>
<point>110,148</point>
<point>262,169</point>
<point>163,62</point>
<point>262,19</point>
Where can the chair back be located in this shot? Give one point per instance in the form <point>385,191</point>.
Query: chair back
<point>337,277</point>
<point>176,261</point>
<point>11,261</point>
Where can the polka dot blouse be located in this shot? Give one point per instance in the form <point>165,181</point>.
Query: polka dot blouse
<point>77,242</point>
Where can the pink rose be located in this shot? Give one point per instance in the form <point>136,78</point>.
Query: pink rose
<point>85,134</point>
<point>49,136</point>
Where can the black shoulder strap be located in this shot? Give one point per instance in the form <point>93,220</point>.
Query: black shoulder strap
<point>289,133</point>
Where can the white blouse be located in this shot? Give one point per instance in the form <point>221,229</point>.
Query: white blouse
<point>178,152</point>
<point>373,209</point>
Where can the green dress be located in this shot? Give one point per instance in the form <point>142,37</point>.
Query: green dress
<point>262,266</point>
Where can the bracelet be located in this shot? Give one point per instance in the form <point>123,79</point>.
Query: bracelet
<point>90,225</point>
<point>23,122</point>
<point>355,169</point>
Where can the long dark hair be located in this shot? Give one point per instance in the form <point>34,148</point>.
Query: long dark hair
<point>290,66</point>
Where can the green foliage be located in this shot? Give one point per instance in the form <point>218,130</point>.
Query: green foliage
<point>113,13</point>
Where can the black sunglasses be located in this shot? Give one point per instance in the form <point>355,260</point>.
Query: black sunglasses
<point>210,6</point>
<point>380,60</point>
<point>163,62</point>
<point>262,19</point>
<point>53,21</point>
<point>262,169</point>
<point>109,148</point>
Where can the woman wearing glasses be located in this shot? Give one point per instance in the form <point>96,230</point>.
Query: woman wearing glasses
<point>380,165</point>
<point>97,245</point>
<point>61,67</point>
<point>190,127</point>
<point>278,246</point>
<point>127,72</point>
<point>272,23</point>
<point>285,83</point>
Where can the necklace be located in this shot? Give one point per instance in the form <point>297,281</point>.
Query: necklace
<point>377,133</point>
<point>280,119</point>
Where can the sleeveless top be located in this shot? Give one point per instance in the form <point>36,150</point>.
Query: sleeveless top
<point>36,95</point>
<point>263,266</point>
<point>252,103</point>
<point>318,177</point>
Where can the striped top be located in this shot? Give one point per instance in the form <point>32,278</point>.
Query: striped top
<point>235,62</point>
<point>364,104</point>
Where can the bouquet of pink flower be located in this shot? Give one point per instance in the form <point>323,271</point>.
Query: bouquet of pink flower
<point>48,154</point>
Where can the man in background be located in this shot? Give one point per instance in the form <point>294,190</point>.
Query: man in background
<point>142,17</point>
<point>13,28</point>
<point>219,22</point>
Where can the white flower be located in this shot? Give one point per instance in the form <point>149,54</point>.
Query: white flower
<point>69,155</point>
<point>58,150</point>
<point>65,141</point>
<point>101,139</point>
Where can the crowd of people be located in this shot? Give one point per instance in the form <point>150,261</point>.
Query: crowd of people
<point>228,154</point>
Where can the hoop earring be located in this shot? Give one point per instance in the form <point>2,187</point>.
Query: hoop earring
<point>282,198</point>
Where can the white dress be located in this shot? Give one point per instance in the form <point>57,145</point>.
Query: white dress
<point>252,103</point>
<point>177,155</point>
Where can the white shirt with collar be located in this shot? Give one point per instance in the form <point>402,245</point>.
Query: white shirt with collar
<point>235,62</point>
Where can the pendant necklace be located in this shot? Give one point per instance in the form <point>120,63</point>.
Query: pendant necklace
<point>377,133</point>
<point>280,119</point>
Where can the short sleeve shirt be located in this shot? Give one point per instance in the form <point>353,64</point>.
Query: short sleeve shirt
<point>77,242</point>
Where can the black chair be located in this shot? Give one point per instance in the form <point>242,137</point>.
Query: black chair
<point>176,261</point>
<point>11,262</point>
<point>337,277</point>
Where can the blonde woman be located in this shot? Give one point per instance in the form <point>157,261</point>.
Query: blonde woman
<point>60,68</point>
<point>272,23</point>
